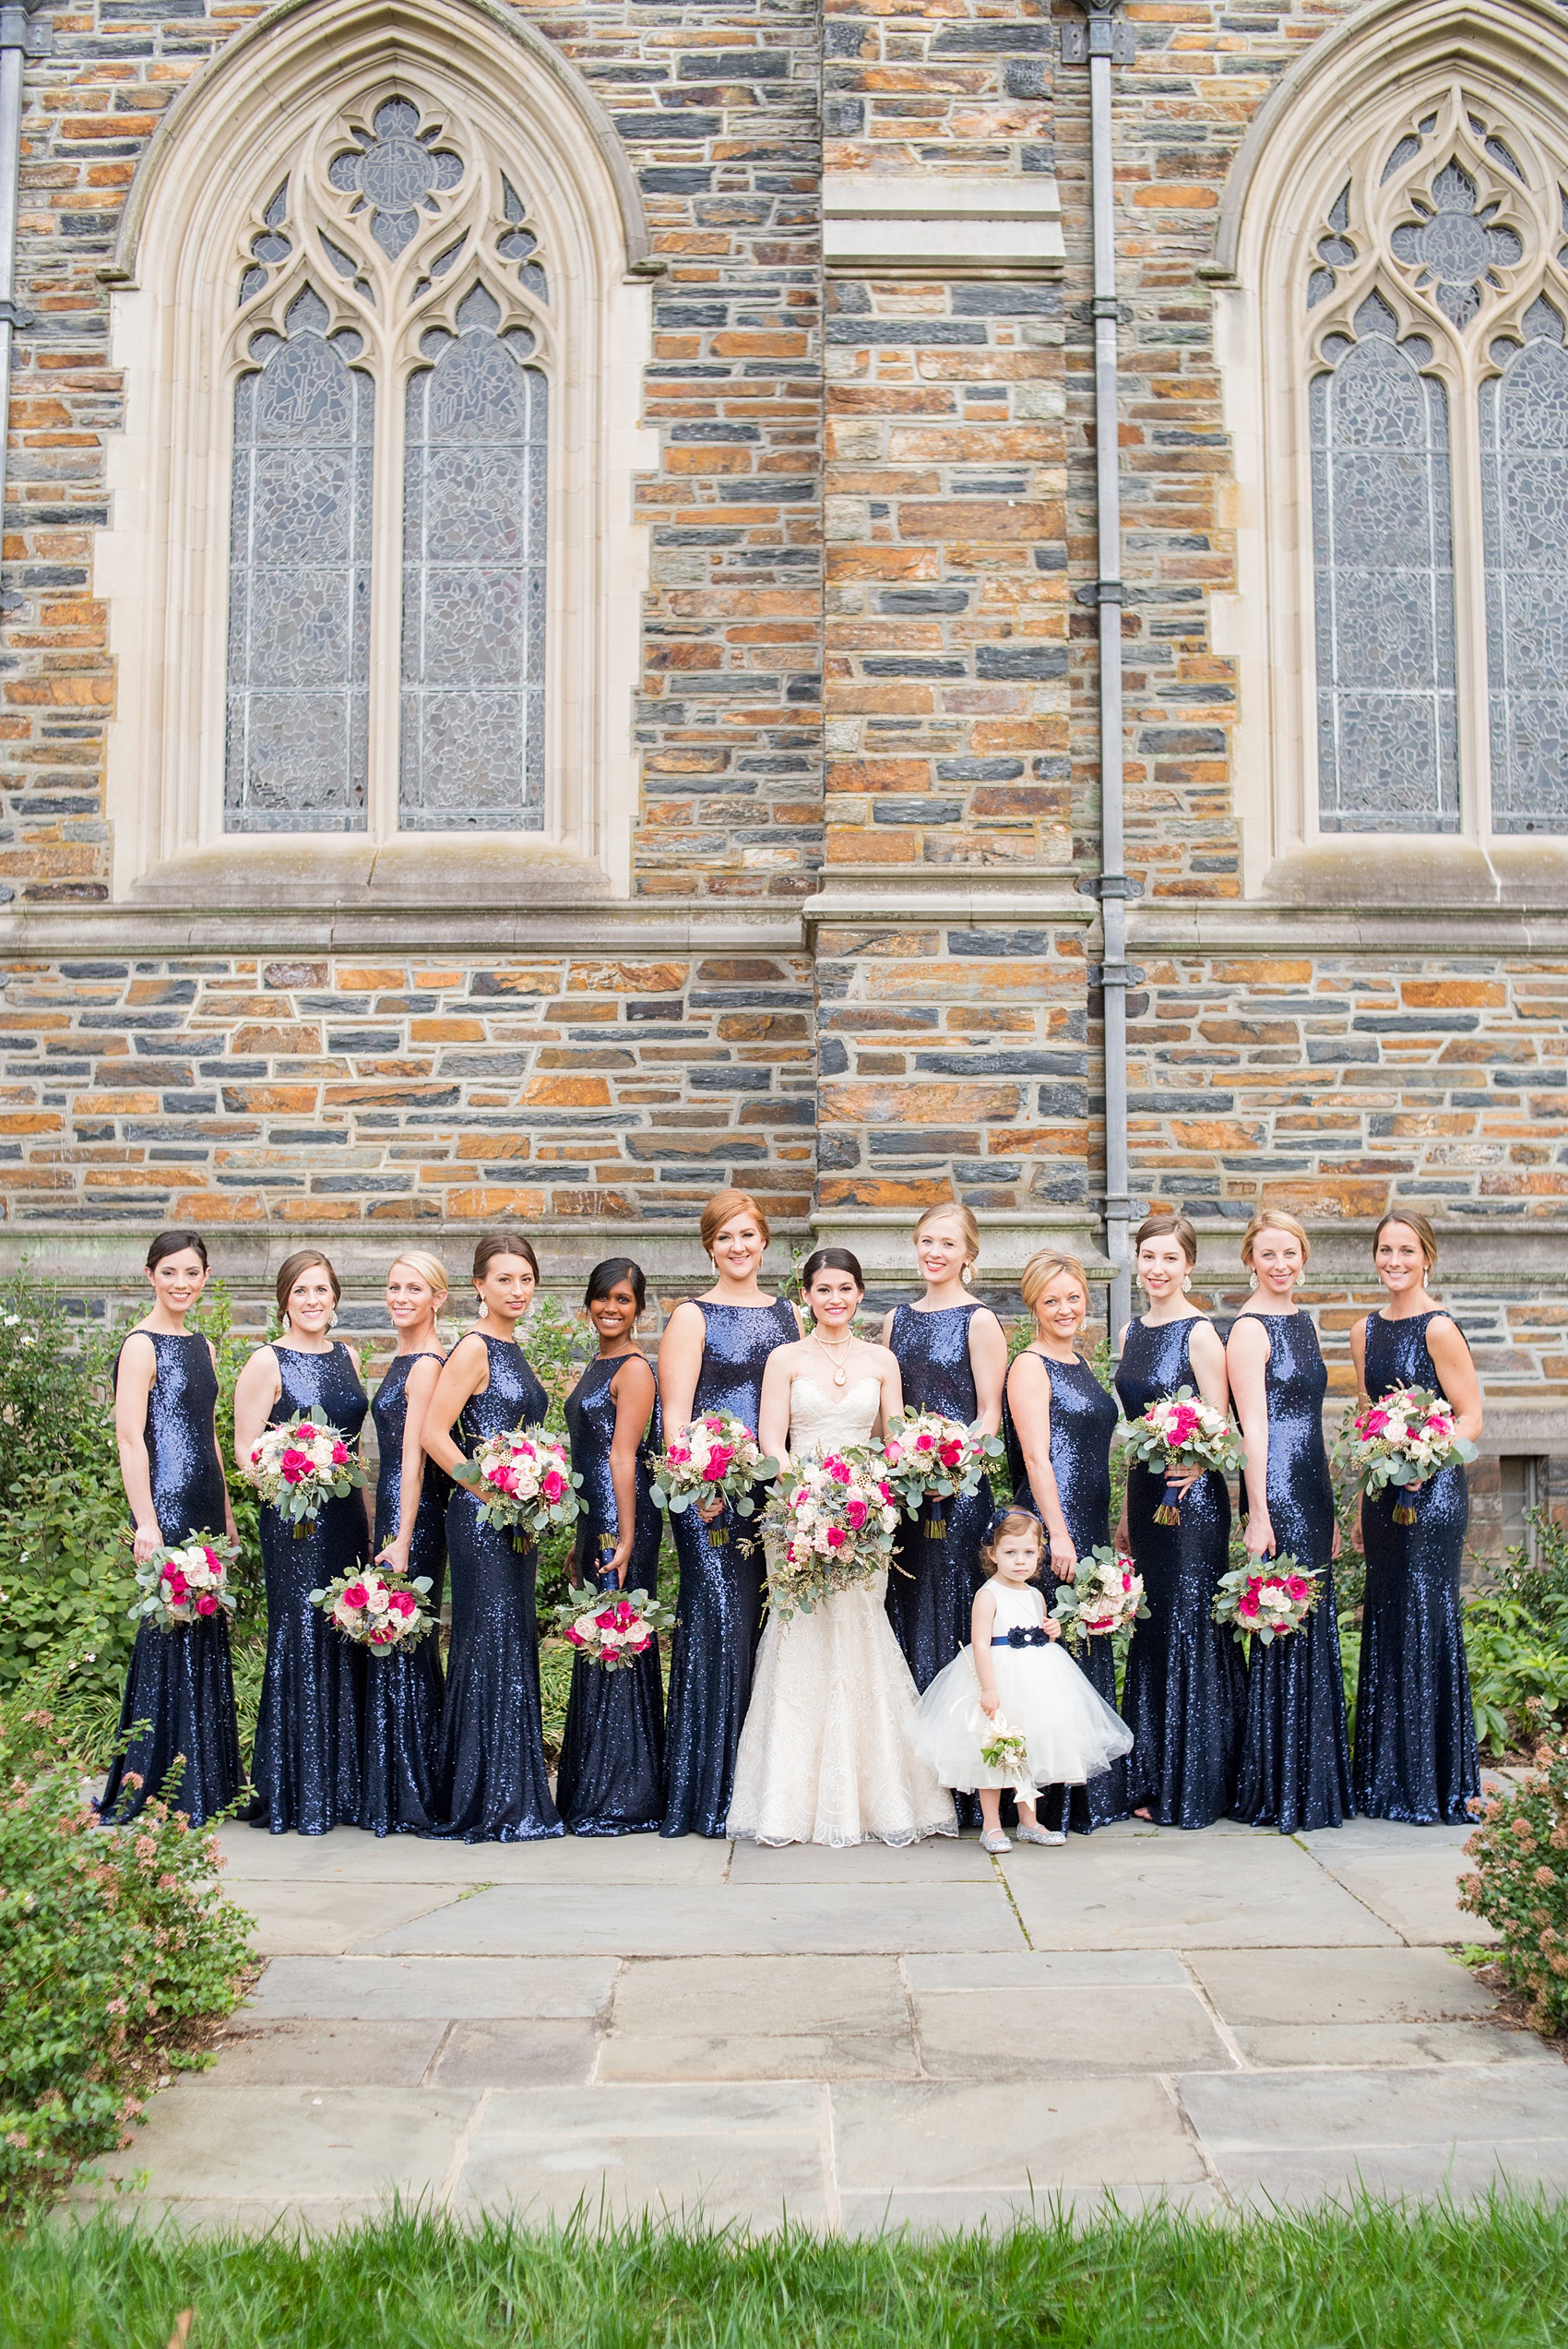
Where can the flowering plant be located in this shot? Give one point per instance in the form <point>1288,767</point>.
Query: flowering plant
<point>375,1610</point>
<point>523,1481</point>
<point>1106,1597</point>
<point>186,1583</point>
<point>1519,1852</point>
<point>1183,1431</point>
<point>930,1457</point>
<point>1402,1438</point>
<point>613,1628</point>
<point>829,1525</point>
<point>300,1463</point>
<point>716,1457</point>
<point>1267,1599</point>
<point>1002,1746</point>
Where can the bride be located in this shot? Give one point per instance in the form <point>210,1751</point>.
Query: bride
<point>823,1758</point>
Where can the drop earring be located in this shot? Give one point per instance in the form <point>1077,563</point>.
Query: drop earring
<point>332,1324</point>
<point>1252,1279</point>
<point>964,1276</point>
<point>484,1312</point>
<point>1186,1285</point>
<point>288,1325</point>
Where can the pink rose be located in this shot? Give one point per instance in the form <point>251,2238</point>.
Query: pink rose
<point>718,1462</point>
<point>575,1637</point>
<point>925,1443</point>
<point>639,1647</point>
<point>837,1537</point>
<point>606,1621</point>
<point>679,1454</point>
<point>214,1561</point>
<point>893,1450</point>
<point>855,1511</point>
<point>836,1467</point>
<point>356,1595</point>
<point>340,1455</point>
<point>503,1476</point>
<point>886,1492</point>
<point>1247,1605</point>
<point>305,1432</point>
<point>1373,1422</point>
<point>951,1452</point>
<point>401,1602</point>
<point>206,1604</point>
<point>552,1485</point>
<point>382,1633</point>
<point>175,1583</point>
<point>1126,1581</point>
<point>295,1466</point>
<point>1298,1586</point>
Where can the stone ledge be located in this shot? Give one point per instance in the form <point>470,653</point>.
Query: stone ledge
<point>861,893</point>
<point>616,927</point>
<point>940,224</point>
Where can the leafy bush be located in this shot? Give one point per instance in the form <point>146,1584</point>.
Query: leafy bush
<point>1516,1639</point>
<point>113,1945</point>
<point>1520,1884</point>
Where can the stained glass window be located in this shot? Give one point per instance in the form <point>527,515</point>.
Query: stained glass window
<point>474,527</point>
<point>299,582</point>
<point>1524,415</point>
<point>395,171</point>
<point>1383,585</point>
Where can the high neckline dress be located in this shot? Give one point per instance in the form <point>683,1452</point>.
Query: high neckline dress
<point>1184,1696</point>
<point>402,1717</point>
<point>1294,1772</point>
<point>180,1683</point>
<point>720,1600</point>
<point>305,1770</point>
<point>1415,1747</point>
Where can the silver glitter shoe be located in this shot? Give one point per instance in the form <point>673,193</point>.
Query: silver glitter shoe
<point>994,1840</point>
<point>1039,1835</point>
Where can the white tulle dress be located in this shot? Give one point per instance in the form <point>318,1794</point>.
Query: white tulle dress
<point>823,1756</point>
<point>1071,1731</point>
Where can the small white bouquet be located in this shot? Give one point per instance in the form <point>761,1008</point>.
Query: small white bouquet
<point>1002,1746</point>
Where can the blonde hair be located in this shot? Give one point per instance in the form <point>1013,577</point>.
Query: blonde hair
<point>1417,1222</point>
<point>963,1216</point>
<point>1042,1269</point>
<point>429,1268</point>
<point>1273,1219</point>
<point>1167,1227</point>
<point>719,1211</point>
<point>1005,1521</point>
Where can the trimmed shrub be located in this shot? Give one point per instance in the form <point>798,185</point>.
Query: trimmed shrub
<point>1520,1884</point>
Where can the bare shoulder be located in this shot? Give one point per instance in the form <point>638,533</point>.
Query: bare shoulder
<point>685,1318</point>
<point>1249,1336</point>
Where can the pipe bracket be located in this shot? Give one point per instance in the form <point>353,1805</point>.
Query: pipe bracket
<point>1115,975</point>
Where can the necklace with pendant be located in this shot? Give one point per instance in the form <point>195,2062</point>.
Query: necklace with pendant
<point>840,1376</point>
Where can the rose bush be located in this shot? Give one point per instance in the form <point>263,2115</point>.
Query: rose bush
<point>1520,1883</point>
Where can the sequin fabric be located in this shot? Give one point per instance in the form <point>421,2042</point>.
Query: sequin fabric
<point>402,1708</point>
<point>930,1590</point>
<point>719,1600</point>
<point>1416,1755</point>
<point>180,1683</point>
<point>306,1772</point>
<point>1083,1421</point>
<point>493,1780</point>
<point>1185,1692</point>
<point>1295,1766</point>
<point>610,1779</point>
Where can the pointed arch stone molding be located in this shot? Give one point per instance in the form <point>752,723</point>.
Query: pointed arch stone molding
<point>1286,267</point>
<point>183,285</point>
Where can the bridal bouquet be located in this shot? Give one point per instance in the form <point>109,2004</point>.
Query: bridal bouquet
<point>1268,1598</point>
<point>1106,1598</point>
<point>375,1610</point>
<point>1402,1439</point>
<point>613,1628</point>
<point>297,1466</point>
<point>716,1457</point>
<point>828,1525</point>
<point>186,1583</point>
<point>930,1459</point>
<point>1183,1431</point>
<point>523,1483</point>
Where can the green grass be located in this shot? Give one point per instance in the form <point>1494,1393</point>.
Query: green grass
<point>1377,2278</point>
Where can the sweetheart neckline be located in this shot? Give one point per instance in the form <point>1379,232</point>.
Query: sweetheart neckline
<point>804,1378</point>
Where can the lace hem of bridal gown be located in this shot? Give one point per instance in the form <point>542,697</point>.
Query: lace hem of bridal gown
<point>823,1756</point>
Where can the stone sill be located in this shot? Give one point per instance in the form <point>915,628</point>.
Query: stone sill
<point>941,224</point>
<point>350,871</point>
<point>1518,871</point>
<point>635,926</point>
<point>857,893</point>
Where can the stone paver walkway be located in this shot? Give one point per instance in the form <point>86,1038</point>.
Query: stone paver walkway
<point>858,2038</point>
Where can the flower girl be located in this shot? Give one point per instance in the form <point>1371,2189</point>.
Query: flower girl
<point>1011,1710</point>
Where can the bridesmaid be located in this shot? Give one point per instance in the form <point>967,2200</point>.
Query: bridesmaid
<point>1295,1768</point>
<point>610,1780</point>
<point>180,1685</point>
<point>711,1358</point>
<point>1059,1425</point>
<point>402,1721</point>
<point>492,1772</point>
<point>952,1355</point>
<point>1416,1755</point>
<point>1185,1693</point>
<point>305,1769</point>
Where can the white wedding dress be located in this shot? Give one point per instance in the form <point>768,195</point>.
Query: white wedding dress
<point>823,1756</point>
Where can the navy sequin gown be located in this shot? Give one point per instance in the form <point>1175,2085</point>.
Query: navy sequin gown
<point>402,1705</point>
<point>1185,1692</point>
<point>1083,1422</point>
<point>931,1590</point>
<point>1416,1755</point>
<point>719,1603</point>
<point>1295,1767</point>
<point>305,1770</point>
<point>610,1780</point>
<point>180,1683</point>
<point>494,1784</point>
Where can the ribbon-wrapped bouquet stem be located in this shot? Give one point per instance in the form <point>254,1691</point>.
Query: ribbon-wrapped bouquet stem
<point>717,1456</point>
<point>1180,1432</point>
<point>1402,1439</point>
<point>930,1459</point>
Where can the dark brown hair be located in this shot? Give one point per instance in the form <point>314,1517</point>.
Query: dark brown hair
<point>301,1261</point>
<point>175,1242</point>
<point>495,1243</point>
<point>831,1260</point>
<point>1417,1222</point>
<point>1158,1228</point>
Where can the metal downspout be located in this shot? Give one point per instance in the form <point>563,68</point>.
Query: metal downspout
<point>18,40</point>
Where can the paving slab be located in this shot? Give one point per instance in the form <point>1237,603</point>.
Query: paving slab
<point>1461,2173</point>
<point>344,2054</point>
<point>738,1920</point>
<point>999,2212</point>
<point>1049,1970</point>
<point>1068,2035</point>
<point>942,1859</point>
<point>296,1918</point>
<point>1290,2046</point>
<point>1339,1987</point>
<point>1184,1891</point>
<point>1078,2136</point>
<point>1406,1876</point>
<point>206,2142</point>
<point>348,1856</point>
<point>516,2054</point>
<point>824,2017</point>
<point>1424,2109</point>
<point>479,1987</point>
<point>731,2153</point>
